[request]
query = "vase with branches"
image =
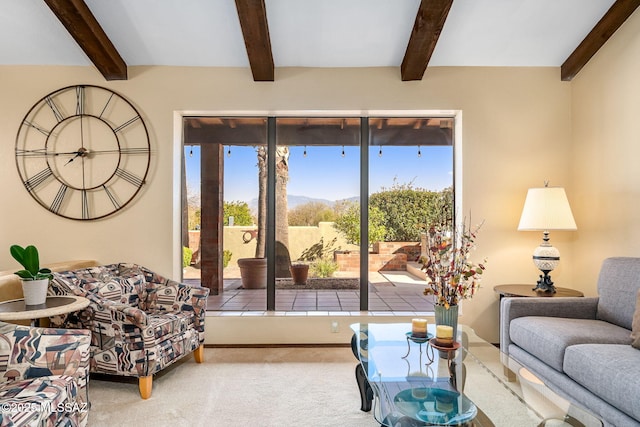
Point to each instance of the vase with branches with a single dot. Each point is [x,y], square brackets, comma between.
[451,275]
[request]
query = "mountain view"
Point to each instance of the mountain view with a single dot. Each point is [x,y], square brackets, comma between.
[294,201]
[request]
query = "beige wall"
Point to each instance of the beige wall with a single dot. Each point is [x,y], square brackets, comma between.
[605,171]
[516,132]
[300,239]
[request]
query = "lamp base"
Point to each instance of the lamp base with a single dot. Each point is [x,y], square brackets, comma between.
[545,284]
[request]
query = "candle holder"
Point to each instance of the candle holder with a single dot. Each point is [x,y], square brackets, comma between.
[416,339]
[443,342]
[450,349]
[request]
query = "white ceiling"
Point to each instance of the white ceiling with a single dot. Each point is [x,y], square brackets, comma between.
[306,33]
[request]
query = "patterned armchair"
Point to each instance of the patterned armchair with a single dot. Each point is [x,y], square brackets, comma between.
[43,376]
[140,321]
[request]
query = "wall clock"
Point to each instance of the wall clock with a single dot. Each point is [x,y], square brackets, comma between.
[83,152]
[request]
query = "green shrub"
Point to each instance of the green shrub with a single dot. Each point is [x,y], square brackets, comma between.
[186,256]
[226,257]
[348,223]
[239,211]
[406,209]
[310,214]
[323,268]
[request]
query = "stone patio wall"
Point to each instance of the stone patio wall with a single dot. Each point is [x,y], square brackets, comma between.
[385,256]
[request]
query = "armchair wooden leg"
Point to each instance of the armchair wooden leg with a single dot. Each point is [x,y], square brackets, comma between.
[198,354]
[145,385]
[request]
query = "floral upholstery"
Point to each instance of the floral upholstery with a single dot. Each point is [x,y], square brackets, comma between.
[141,322]
[43,376]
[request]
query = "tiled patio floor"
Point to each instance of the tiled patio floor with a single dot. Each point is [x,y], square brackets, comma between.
[388,292]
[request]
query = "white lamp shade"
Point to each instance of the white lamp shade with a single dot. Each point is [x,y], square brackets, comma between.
[546,209]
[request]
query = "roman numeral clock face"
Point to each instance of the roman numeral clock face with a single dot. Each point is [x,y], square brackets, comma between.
[83,152]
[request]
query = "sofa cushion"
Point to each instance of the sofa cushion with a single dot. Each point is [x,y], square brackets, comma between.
[547,337]
[611,372]
[618,283]
[635,327]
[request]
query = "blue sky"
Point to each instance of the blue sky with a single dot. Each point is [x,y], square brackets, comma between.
[325,174]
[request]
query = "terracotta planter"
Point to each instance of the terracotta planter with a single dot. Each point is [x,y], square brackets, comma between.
[253,272]
[299,273]
[35,291]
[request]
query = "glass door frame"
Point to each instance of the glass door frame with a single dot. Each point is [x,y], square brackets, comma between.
[271,116]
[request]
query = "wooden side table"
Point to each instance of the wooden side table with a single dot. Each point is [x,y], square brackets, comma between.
[55,305]
[527,291]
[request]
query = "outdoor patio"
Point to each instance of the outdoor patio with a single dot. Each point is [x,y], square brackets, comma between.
[389,293]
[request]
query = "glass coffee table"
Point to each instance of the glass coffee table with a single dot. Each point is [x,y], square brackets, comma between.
[408,382]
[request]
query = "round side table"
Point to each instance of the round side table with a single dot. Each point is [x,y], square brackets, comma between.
[17,310]
[527,291]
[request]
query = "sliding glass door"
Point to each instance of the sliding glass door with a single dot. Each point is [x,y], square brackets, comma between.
[317,176]
[410,185]
[225,183]
[318,222]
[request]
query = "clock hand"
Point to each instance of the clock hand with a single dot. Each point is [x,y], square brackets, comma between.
[133,150]
[72,159]
[38,153]
[82,152]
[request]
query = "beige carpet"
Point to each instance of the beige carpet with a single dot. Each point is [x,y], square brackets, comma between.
[240,387]
[263,387]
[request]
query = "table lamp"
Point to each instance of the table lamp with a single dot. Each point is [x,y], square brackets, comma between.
[546,209]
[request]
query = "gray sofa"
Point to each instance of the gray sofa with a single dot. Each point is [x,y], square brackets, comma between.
[581,347]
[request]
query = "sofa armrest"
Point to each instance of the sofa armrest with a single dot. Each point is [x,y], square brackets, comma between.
[572,307]
[162,293]
[173,296]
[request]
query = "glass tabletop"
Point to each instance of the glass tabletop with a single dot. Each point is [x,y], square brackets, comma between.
[414,384]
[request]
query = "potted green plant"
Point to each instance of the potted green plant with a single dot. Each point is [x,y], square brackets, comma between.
[35,280]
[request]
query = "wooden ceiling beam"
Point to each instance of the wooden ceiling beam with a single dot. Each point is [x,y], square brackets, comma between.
[255,30]
[609,24]
[430,20]
[77,18]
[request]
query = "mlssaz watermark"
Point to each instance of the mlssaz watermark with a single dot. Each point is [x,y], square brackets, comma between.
[48,407]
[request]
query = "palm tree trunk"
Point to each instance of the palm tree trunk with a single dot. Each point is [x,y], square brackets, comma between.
[262,202]
[283,259]
[282,209]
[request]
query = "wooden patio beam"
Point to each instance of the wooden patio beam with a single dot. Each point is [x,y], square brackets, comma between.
[255,30]
[77,18]
[609,24]
[430,20]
